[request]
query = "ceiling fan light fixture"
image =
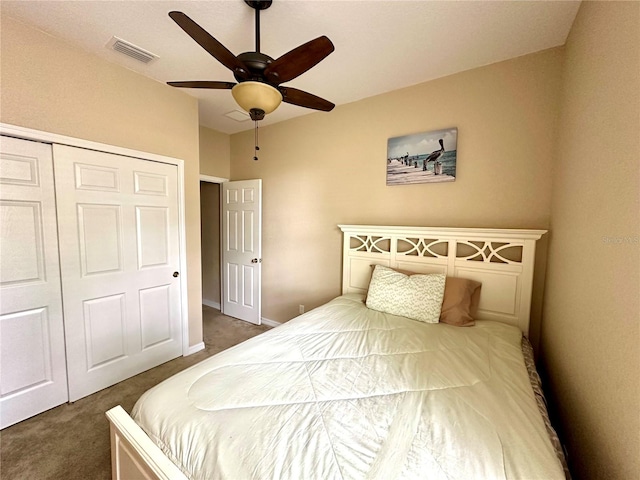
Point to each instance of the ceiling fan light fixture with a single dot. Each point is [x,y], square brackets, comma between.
[256,96]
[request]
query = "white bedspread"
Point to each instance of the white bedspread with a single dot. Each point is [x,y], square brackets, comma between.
[344,392]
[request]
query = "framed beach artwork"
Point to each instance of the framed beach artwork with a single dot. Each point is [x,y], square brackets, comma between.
[428,157]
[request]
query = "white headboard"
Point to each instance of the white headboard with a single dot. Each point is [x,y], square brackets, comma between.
[501,259]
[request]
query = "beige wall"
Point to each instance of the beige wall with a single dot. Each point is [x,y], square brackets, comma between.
[323,169]
[590,336]
[210,227]
[215,148]
[48,85]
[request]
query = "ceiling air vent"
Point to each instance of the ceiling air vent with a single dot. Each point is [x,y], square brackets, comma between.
[238,116]
[131,50]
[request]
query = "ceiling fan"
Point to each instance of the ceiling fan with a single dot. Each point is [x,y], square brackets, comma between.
[259,90]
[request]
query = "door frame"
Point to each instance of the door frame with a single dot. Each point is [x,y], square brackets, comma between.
[47,137]
[219,181]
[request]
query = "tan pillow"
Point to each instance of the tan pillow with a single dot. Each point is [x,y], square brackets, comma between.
[460,303]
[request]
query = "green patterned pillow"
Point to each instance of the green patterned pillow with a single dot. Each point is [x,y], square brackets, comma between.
[418,297]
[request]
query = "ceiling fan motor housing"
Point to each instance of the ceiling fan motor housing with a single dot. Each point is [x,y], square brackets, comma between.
[259,4]
[256,62]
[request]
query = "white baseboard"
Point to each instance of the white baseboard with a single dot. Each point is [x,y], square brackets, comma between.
[270,323]
[211,303]
[194,349]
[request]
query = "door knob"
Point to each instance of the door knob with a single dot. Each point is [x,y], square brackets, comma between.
[175,274]
[256,260]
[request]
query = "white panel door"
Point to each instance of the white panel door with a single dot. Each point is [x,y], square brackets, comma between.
[119,256]
[242,249]
[33,375]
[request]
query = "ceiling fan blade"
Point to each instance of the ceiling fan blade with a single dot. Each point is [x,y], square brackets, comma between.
[299,60]
[304,99]
[203,84]
[210,44]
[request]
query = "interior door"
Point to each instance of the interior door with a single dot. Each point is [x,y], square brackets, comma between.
[242,249]
[119,257]
[33,375]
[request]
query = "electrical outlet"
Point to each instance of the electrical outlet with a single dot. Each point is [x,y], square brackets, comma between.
[301,309]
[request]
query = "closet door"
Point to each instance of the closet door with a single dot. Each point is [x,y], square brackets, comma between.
[32,359]
[119,256]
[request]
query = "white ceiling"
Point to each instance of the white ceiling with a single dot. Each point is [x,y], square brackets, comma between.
[379,45]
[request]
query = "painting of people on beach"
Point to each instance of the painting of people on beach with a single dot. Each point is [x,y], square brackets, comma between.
[428,157]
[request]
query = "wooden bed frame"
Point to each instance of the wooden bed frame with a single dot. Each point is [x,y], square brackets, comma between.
[501,259]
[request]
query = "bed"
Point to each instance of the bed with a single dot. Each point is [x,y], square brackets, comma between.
[346,391]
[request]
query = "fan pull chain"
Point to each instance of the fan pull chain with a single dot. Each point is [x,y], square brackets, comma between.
[255,157]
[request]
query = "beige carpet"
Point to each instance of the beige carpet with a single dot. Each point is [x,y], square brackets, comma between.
[72,441]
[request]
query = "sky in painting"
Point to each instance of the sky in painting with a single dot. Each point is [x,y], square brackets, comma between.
[422,143]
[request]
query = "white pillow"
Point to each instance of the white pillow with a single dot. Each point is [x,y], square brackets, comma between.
[418,297]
